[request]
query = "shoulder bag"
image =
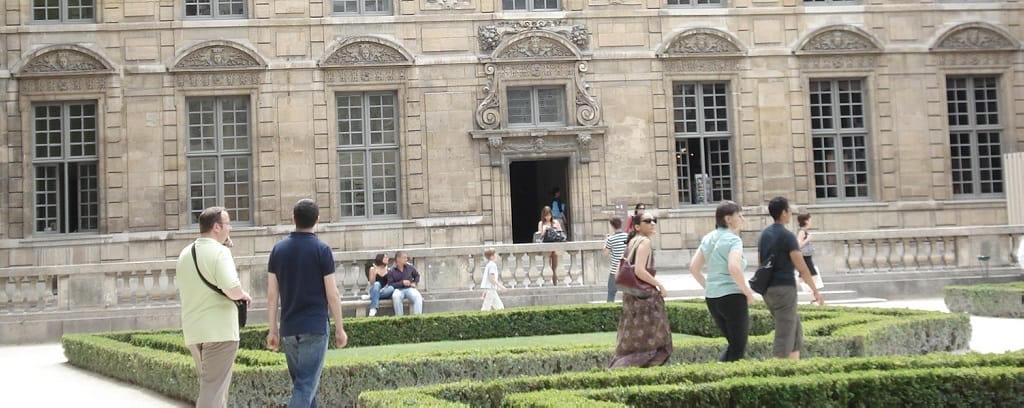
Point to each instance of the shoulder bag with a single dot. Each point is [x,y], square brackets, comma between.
[554,235]
[626,280]
[763,276]
[240,304]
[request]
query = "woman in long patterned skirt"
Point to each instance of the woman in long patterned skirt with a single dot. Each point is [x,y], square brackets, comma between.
[644,338]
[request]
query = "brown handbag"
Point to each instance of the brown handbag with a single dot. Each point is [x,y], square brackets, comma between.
[626,280]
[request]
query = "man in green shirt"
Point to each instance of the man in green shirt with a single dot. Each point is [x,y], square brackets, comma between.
[209,320]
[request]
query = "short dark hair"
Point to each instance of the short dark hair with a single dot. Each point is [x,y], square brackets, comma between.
[724,209]
[306,213]
[803,218]
[208,218]
[379,259]
[615,222]
[776,206]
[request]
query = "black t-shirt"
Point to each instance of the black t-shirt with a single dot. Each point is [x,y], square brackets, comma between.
[770,237]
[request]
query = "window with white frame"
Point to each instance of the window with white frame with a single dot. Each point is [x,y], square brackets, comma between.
[219,155]
[65,162]
[215,8]
[700,118]
[695,3]
[975,135]
[531,5]
[361,7]
[839,136]
[368,154]
[536,106]
[64,10]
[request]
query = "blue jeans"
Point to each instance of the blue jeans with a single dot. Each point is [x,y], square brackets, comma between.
[305,356]
[377,293]
[407,293]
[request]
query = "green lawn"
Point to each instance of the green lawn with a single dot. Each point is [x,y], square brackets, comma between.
[443,347]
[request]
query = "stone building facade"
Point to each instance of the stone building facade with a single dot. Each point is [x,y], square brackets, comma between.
[428,123]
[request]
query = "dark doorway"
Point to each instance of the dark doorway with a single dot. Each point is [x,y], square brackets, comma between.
[531,184]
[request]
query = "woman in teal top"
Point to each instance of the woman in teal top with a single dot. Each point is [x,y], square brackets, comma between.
[726,292]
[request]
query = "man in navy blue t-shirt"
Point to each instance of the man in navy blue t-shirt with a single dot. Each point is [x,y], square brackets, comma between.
[779,245]
[302,271]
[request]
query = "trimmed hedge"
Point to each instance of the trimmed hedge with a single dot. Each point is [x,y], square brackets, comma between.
[933,380]
[261,379]
[993,300]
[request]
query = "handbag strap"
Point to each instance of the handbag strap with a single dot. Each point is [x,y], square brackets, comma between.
[632,254]
[208,284]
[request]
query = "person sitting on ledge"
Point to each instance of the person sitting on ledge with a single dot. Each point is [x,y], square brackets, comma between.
[404,277]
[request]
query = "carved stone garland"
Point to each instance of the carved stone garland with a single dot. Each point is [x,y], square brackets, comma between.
[490,36]
[488,112]
[217,57]
[975,46]
[839,49]
[365,53]
[700,44]
[63,62]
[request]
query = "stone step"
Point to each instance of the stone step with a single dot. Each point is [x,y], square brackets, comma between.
[829,295]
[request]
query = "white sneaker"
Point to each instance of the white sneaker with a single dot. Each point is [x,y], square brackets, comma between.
[373,312]
[364,297]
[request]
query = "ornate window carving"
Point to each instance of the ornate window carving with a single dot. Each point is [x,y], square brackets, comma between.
[365,59]
[975,44]
[63,69]
[841,47]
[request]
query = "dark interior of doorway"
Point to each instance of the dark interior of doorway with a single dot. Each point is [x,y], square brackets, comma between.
[531,184]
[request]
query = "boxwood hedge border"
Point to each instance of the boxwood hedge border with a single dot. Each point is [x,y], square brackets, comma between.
[992,300]
[159,361]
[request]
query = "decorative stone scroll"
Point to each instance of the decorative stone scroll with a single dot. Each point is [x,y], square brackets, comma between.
[366,75]
[64,61]
[701,42]
[539,143]
[839,39]
[975,59]
[838,62]
[215,57]
[92,83]
[216,79]
[702,65]
[446,5]
[488,112]
[490,36]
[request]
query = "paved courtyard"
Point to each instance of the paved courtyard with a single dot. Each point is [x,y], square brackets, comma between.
[31,372]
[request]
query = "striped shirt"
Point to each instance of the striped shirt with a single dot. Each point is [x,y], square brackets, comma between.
[616,244]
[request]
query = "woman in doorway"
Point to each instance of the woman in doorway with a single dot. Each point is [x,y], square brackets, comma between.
[726,292]
[548,222]
[377,275]
[644,338]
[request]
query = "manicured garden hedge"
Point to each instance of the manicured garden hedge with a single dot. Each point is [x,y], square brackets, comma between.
[159,360]
[993,300]
[934,380]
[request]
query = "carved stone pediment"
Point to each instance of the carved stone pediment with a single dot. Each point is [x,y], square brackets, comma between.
[217,57]
[365,75]
[365,53]
[701,43]
[62,62]
[490,36]
[840,40]
[535,47]
[975,37]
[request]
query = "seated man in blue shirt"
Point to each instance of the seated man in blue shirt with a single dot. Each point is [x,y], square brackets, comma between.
[404,277]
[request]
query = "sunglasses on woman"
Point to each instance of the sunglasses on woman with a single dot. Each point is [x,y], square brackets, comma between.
[649,220]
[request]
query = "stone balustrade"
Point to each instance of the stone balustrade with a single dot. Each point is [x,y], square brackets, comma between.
[130,285]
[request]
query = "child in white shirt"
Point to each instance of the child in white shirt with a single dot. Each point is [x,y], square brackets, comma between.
[491,282]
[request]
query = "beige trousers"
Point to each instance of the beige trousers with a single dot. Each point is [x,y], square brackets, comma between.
[213,367]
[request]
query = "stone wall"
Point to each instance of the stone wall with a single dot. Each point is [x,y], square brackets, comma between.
[449,63]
